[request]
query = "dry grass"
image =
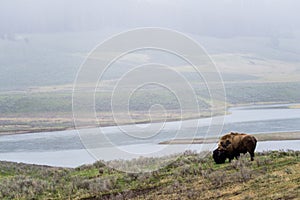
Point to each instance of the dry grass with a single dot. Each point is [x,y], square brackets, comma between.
[295,106]
[273,175]
[270,179]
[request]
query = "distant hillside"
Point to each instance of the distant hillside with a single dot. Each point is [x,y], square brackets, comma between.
[31,60]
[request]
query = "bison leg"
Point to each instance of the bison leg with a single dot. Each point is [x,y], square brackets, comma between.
[237,156]
[231,157]
[251,151]
[252,155]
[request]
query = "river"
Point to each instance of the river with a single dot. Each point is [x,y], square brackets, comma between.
[65,148]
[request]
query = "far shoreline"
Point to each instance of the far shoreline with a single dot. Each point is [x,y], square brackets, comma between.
[54,129]
[110,124]
[261,137]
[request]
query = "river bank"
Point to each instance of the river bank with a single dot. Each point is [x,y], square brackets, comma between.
[277,136]
[23,124]
[277,127]
[14,125]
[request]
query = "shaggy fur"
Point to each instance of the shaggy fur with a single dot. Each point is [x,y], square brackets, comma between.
[236,143]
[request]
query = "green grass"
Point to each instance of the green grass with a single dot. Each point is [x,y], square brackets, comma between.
[242,93]
[52,110]
[190,176]
[61,102]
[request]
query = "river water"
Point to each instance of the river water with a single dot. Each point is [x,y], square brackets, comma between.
[68,148]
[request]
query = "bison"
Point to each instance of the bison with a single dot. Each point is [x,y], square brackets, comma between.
[232,145]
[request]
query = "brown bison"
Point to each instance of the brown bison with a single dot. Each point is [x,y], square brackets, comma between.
[233,144]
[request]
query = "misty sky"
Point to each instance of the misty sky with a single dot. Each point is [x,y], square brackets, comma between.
[220,18]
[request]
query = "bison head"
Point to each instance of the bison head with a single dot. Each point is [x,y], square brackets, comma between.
[219,156]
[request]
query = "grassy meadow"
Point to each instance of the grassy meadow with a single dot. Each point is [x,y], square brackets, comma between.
[272,175]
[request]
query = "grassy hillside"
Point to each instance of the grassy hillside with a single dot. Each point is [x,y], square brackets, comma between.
[47,109]
[273,175]
[38,71]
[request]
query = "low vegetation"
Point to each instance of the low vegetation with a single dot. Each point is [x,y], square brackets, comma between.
[273,175]
[46,110]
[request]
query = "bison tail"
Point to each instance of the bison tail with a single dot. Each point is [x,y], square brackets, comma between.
[255,140]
